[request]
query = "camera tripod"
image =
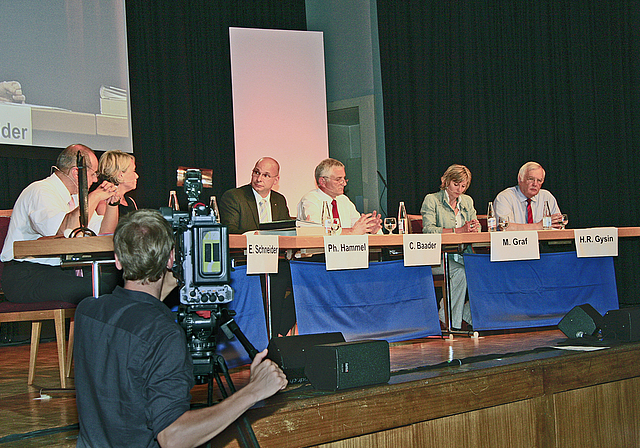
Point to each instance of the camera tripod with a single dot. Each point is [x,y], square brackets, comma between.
[209,365]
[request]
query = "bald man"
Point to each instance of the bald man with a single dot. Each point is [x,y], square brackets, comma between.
[239,207]
[242,209]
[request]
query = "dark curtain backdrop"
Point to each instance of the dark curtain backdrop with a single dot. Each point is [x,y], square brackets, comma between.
[492,85]
[180,82]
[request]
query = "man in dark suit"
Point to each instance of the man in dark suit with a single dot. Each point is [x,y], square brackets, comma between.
[242,209]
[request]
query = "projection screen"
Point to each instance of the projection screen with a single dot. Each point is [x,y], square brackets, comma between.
[64,74]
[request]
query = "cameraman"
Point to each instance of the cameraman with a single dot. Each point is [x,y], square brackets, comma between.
[132,367]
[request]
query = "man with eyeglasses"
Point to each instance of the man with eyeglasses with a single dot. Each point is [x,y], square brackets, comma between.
[50,207]
[242,210]
[524,203]
[331,180]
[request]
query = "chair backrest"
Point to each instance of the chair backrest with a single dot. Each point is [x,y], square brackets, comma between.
[5,217]
[415,223]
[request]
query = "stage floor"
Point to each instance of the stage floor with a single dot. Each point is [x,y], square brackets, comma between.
[423,371]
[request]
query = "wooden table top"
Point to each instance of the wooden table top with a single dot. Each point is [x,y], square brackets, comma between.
[96,244]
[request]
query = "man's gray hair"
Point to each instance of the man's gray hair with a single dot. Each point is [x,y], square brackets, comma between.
[524,170]
[323,167]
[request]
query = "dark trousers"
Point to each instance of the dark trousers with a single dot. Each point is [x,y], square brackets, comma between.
[283,310]
[27,282]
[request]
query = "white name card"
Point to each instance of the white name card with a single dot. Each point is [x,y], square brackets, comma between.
[421,249]
[597,242]
[346,252]
[262,254]
[516,245]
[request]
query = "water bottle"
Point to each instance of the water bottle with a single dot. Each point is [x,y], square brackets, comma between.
[546,216]
[403,223]
[327,219]
[492,225]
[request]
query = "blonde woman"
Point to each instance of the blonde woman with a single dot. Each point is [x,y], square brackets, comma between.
[447,211]
[119,168]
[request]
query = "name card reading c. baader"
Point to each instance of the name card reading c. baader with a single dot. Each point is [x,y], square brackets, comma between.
[598,242]
[421,249]
[516,245]
[346,252]
[262,254]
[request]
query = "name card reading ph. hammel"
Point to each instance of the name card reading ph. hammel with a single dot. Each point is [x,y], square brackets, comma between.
[517,245]
[346,252]
[421,249]
[262,254]
[598,242]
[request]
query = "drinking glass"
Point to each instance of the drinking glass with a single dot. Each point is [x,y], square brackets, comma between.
[335,225]
[503,222]
[390,224]
[565,220]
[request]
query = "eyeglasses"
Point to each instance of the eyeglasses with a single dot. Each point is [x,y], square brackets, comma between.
[257,173]
[533,180]
[337,179]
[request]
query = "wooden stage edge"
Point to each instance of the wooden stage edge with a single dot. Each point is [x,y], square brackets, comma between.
[543,397]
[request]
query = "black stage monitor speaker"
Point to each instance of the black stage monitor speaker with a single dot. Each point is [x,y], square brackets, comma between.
[290,352]
[623,325]
[348,364]
[581,321]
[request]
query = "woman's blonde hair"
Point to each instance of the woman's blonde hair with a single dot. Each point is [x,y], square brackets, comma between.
[456,173]
[113,163]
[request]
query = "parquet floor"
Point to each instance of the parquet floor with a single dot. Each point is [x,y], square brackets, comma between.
[27,421]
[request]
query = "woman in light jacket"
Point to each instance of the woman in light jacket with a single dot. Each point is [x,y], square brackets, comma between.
[452,211]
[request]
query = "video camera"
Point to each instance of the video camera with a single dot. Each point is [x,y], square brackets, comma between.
[202,268]
[202,248]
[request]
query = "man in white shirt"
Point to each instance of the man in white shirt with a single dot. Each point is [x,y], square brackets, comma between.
[331,180]
[524,203]
[49,207]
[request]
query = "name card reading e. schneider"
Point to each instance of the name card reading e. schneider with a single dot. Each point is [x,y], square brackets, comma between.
[346,252]
[596,242]
[262,254]
[421,249]
[517,245]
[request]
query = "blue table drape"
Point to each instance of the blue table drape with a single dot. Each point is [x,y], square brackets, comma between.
[537,293]
[249,307]
[386,301]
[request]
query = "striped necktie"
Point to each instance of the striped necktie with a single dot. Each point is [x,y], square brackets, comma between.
[529,212]
[264,217]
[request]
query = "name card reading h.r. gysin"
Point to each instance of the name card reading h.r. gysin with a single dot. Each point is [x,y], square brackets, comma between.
[421,249]
[262,254]
[516,245]
[346,252]
[598,242]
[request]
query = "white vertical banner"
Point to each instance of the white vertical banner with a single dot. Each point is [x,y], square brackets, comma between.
[279,105]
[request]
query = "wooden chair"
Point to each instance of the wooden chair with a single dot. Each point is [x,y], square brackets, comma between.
[36,313]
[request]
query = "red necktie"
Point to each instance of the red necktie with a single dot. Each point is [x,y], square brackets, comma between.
[334,209]
[529,212]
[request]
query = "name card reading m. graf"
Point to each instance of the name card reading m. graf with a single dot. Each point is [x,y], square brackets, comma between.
[346,252]
[262,254]
[598,242]
[421,249]
[516,245]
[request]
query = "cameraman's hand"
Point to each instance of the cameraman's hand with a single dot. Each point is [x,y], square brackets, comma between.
[266,377]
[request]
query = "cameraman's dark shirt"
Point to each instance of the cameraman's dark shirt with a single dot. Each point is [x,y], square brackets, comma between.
[133,372]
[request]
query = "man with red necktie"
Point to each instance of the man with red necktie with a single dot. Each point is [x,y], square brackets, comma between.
[524,203]
[331,180]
